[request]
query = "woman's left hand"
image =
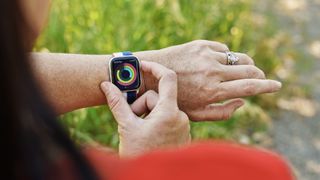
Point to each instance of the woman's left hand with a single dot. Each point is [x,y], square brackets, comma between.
[204,78]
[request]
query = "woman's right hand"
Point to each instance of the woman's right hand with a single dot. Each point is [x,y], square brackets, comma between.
[165,125]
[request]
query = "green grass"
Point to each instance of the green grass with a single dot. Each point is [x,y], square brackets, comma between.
[106,26]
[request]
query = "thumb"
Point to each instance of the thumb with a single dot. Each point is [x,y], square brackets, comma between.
[117,103]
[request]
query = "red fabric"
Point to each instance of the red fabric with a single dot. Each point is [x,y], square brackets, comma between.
[199,161]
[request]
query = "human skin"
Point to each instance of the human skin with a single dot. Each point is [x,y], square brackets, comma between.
[36,13]
[71,81]
[197,79]
[164,125]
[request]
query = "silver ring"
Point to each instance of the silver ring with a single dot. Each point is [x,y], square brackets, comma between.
[232,58]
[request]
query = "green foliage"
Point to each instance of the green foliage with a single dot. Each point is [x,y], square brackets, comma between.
[105,26]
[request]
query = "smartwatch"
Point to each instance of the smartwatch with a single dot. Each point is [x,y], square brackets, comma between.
[125,73]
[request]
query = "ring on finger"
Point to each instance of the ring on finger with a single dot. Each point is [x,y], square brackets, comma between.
[232,59]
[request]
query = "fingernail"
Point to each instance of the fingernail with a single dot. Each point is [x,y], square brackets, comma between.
[279,85]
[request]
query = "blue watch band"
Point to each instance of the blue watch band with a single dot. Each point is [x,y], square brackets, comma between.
[122,54]
[130,95]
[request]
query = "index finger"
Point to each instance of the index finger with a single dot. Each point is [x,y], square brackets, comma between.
[167,80]
[245,88]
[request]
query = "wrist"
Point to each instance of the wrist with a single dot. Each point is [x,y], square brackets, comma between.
[149,82]
[151,55]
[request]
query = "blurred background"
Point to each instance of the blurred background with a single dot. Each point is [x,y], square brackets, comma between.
[282,36]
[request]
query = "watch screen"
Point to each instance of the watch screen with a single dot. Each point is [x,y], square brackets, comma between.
[126,73]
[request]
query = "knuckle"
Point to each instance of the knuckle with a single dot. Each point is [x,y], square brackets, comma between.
[175,112]
[151,93]
[223,47]
[206,43]
[206,89]
[247,58]
[113,102]
[249,88]
[220,70]
[207,71]
[210,91]
[171,75]
[214,70]
[218,94]
[262,74]
[252,72]
[200,42]
[251,62]
[201,48]
[173,115]
[183,120]
[184,117]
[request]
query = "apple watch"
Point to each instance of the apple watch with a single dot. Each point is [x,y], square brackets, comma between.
[125,73]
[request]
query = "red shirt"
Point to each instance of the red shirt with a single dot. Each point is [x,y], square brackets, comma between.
[198,161]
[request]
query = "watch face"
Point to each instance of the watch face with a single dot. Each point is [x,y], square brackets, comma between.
[125,72]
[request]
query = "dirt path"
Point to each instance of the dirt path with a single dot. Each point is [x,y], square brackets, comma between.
[297,137]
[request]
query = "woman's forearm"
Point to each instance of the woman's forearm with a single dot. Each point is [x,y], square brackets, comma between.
[71,81]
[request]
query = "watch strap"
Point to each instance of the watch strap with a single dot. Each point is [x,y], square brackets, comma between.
[121,54]
[131,96]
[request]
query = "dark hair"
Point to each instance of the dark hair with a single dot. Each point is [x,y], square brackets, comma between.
[32,137]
